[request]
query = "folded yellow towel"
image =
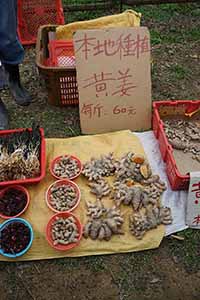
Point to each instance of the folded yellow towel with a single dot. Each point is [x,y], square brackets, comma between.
[129,18]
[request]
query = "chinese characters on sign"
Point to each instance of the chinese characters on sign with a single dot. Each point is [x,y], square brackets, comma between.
[120,47]
[90,110]
[101,81]
[113,75]
[193,203]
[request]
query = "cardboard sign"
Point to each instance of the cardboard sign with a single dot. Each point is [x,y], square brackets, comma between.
[114,80]
[193,201]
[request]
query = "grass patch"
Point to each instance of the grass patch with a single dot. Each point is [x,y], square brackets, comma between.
[84,15]
[155,14]
[187,251]
[69,263]
[156,37]
[56,121]
[129,269]
[164,12]
[178,72]
[173,36]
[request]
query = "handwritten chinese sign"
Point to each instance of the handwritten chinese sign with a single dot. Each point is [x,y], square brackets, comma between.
[114,81]
[193,201]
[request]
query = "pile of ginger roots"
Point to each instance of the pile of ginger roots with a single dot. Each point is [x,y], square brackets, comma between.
[133,185]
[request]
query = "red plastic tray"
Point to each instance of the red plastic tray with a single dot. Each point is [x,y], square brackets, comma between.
[34,13]
[42,160]
[176,179]
[61,53]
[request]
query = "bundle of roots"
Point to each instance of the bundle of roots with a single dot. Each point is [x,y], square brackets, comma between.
[20,155]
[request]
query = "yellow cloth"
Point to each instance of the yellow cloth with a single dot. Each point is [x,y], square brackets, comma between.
[129,18]
[38,213]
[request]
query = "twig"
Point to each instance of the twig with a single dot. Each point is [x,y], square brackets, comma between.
[72,131]
[118,284]
[26,287]
[8,270]
[37,269]
[180,238]
[16,294]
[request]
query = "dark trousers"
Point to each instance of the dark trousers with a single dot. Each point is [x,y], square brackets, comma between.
[11,50]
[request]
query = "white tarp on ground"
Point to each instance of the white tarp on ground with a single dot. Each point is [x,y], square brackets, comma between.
[176,200]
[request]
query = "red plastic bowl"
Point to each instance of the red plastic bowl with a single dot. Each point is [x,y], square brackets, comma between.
[57,159]
[49,227]
[61,182]
[20,188]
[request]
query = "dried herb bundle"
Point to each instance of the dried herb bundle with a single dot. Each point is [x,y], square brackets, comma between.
[20,154]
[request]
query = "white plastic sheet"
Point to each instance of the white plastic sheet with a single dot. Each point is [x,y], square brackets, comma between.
[176,200]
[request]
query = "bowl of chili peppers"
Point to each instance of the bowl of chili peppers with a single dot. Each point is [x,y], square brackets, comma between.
[14,201]
[16,237]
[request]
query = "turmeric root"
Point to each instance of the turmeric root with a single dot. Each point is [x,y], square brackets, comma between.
[141,222]
[96,169]
[109,222]
[100,188]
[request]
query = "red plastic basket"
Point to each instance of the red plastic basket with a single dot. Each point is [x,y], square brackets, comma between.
[34,13]
[176,179]
[42,160]
[61,53]
[60,82]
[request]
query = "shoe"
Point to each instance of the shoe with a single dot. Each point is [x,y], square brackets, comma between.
[19,93]
[3,116]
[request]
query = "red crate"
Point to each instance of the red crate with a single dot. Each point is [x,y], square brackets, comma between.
[60,82]
[176,179]
[61,53]
[34,13]
[42,160]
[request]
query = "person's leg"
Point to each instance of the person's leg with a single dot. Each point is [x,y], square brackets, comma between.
[3,116]
[11,51]
[3,81]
